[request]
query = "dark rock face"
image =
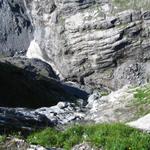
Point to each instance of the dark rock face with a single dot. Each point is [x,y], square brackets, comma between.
[15,28]
[32,65]
[28,119]
[32,83]
[24,88]
[22,119]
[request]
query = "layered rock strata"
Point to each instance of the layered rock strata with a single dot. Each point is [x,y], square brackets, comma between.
[92,41]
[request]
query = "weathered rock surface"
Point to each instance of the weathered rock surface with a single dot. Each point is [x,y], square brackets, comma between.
[30,119]
[112,108]
[92,41]
[98,43]
[15,28]
[32,65]
[83,146]
[18,144]
[142,123]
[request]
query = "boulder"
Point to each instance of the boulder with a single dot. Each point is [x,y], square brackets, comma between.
[18,144]
[114,107]
[142,123]
[30,84]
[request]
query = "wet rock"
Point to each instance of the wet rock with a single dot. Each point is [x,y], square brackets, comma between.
[31,119]
[22,119]
[62,113]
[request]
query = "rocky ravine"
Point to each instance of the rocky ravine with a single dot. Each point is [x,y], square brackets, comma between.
[92,42]
[100,44]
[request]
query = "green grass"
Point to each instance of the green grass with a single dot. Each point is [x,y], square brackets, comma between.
[142,95]
[2,138]
[106,136]
[132,4]
[141,100]
[104,93]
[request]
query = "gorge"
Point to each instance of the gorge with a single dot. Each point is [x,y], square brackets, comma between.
[73,61]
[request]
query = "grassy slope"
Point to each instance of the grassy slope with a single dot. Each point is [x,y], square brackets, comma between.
[106,136]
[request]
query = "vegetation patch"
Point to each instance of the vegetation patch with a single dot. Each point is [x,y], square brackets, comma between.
[132,4]
[141,101]
[2,138]
[105,136]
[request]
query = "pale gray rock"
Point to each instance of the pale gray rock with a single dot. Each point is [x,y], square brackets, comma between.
[111,108]
[142,123]
[83,146]
[63,113]
[92,98]
[87,41]
[15,28]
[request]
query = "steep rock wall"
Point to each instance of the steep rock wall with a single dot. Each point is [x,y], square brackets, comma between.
[15,28]
[93,42]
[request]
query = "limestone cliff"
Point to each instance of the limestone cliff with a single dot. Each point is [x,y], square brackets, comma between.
[93,42]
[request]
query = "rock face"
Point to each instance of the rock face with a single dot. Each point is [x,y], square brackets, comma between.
[15,28]
[28,119]
[18,144]
[112,108]
[23,84]
[93,41]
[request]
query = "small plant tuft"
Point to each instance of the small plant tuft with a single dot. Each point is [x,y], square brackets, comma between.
[2,138]
[141,101]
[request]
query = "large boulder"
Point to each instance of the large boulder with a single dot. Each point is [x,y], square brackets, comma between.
[142,123]
[33,83]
